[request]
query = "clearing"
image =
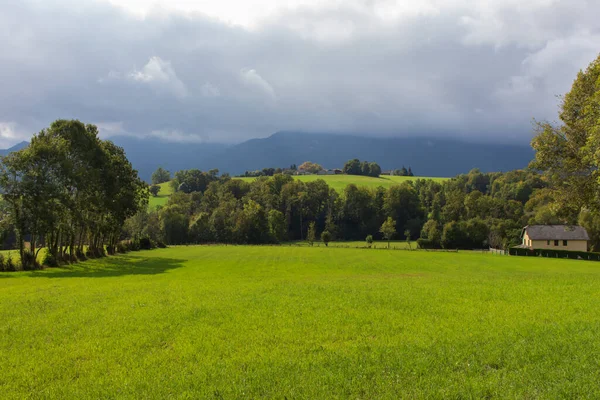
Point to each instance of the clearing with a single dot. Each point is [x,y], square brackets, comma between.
[299,322]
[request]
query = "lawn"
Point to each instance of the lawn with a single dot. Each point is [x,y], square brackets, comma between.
[299,322]
[163,195]
[339,182]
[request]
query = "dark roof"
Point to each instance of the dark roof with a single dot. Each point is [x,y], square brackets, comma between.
[556,232]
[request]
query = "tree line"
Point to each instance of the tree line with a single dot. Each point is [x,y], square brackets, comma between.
[473,210]
[69,192]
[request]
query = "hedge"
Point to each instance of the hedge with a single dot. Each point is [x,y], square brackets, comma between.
[574,255]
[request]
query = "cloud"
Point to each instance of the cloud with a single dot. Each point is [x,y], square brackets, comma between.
[9,135]
[253,80]
[466,68]
[160,74]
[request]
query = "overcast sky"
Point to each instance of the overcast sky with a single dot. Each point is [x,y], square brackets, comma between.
[230,70]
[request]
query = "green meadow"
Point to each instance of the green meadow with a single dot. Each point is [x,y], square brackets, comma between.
[339,182]
[163,195]
[302,323]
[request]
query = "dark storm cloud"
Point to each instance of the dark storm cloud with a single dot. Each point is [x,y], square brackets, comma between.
[480,72]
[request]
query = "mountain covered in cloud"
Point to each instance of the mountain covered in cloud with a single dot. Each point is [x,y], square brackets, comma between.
[426,156]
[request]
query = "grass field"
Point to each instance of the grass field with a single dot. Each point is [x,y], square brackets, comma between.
[298,322]
[339,182]
[163,196]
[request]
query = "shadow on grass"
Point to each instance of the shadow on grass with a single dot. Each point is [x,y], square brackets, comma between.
[108,267]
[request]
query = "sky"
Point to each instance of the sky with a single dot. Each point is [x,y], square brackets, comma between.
[231,70]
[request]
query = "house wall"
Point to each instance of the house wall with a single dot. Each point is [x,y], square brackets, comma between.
[572,245]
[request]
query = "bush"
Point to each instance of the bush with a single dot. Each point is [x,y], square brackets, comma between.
[122,247]
[146,243]
[79,254]
[10,265]
[2,263]
[49,260]
[550,253]
[369,240]
[426,243]
[326,237]
[29,262]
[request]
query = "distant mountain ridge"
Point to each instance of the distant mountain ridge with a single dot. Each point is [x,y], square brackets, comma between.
[426,156]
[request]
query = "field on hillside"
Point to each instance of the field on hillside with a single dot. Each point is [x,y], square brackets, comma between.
[339,182]
[298,322]
[163,195]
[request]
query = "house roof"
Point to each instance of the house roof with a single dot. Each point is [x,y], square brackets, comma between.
[556,232]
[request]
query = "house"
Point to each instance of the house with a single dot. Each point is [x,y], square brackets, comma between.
[326,172]
[557,237]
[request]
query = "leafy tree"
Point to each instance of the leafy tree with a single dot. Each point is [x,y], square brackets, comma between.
[312,233]
[369,240]
[154,189]
[353,167]
[403,171]
[326,238]
[277,225]
[407,235]
[310,167]
[569,154]
[160,176]
[409,172]
[374,169]
[388,229]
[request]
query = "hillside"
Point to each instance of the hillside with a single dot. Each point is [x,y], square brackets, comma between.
[337,182]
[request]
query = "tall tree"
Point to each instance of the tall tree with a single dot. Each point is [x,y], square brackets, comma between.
[388,229]
[569,154]
[161,175]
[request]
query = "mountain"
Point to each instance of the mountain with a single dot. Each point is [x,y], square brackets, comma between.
[16,147]
[426,156]
[146,155]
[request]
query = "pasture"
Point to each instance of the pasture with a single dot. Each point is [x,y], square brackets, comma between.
[298,322]
[163,195]
[339,182]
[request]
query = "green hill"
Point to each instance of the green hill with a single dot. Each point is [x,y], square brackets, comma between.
[163,195]
[337,182]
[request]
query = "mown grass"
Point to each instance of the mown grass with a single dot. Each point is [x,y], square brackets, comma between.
[339,182]
[163,196]
[298,322]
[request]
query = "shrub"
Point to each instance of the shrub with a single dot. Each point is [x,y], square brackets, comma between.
[122,247]
[369,240]
[425,243]
[146,243]
[29,261]
[326,237]
[10,264]
[80,254]
[49,260]
[2,263]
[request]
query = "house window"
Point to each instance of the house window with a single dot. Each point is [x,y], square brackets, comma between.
[547,242]
[556,242]
[564,242]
